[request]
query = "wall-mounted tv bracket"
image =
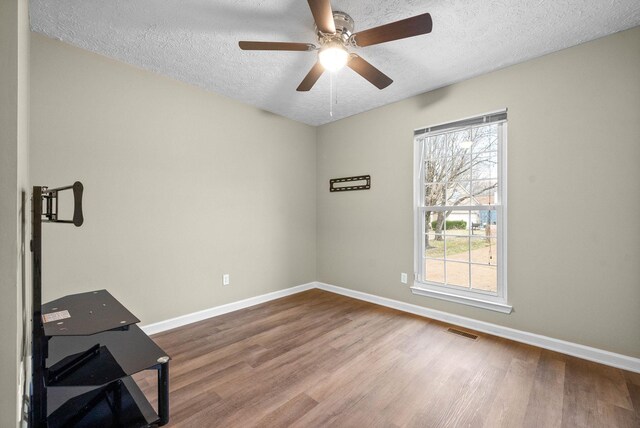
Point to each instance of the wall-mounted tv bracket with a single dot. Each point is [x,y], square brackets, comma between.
[345,184]
[44,209]
[50,204]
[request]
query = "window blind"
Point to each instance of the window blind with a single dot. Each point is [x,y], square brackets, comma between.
[478,120]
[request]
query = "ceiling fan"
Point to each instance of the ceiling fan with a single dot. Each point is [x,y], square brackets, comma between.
[335,35]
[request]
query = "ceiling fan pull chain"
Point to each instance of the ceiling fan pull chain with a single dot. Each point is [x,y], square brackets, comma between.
[331,94]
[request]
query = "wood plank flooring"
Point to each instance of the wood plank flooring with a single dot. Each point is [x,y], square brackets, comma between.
[317,359]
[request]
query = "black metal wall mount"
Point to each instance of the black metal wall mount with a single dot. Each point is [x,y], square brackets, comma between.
[346,184]
[50,204]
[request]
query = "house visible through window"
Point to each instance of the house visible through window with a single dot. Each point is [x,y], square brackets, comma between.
[460,211]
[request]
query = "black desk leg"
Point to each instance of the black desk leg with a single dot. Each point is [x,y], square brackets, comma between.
[163,393]
[117,402]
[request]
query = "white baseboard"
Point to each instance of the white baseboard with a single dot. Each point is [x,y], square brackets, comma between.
[564,347]
[161,326]
[581,351]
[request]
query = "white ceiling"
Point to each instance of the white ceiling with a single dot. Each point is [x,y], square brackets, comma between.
[196,41]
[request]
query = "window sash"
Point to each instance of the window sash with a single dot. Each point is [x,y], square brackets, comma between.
[500,296]
[422,257]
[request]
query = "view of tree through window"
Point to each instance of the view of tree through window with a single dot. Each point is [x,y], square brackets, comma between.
[460,173]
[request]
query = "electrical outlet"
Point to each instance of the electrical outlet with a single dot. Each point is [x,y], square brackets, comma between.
[403,278]
[225,279]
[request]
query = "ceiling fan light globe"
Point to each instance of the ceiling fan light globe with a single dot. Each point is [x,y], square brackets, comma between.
[333,58]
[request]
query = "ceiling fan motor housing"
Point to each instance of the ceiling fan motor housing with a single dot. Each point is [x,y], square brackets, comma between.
[344,29]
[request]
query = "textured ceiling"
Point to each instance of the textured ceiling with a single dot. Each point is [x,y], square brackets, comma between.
[196,41]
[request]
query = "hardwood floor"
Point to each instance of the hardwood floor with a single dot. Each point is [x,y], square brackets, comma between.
[317,359]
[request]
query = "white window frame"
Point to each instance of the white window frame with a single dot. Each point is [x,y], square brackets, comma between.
[483,299]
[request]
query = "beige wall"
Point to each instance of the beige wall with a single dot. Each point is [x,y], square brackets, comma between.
[14,130]
[181,186]
[574,147]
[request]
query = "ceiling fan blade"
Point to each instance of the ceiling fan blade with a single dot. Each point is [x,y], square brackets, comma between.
[311,78]
[323,15]
[275,46]
[369,72]
[409,27]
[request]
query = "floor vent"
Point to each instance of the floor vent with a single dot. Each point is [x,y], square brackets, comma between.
[462,333]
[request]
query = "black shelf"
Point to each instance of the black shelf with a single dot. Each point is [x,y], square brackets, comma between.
[94,367]
[119,354]
[88,377]
[89,313]
[118,404]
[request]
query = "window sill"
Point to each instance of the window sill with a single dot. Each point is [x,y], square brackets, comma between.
[456,298]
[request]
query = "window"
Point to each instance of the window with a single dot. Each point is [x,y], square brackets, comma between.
[460,211]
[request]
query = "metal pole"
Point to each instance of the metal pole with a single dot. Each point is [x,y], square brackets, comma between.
[163,392]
